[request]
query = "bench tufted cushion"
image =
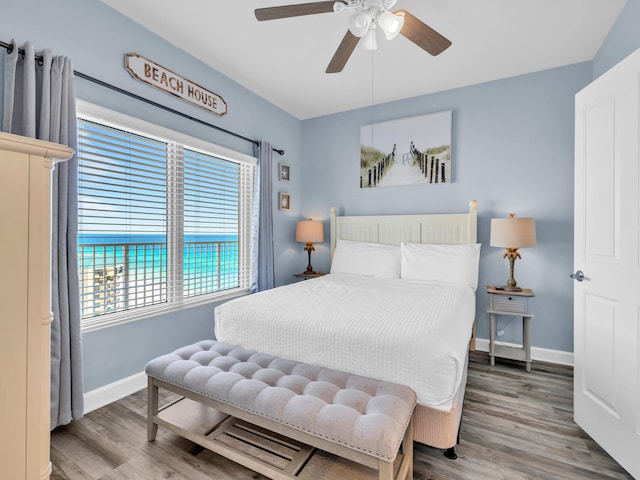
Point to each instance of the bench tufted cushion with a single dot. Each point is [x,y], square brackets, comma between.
[361,413]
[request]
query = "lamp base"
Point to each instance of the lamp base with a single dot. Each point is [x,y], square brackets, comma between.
[309,248]
[511,285]
[509,288]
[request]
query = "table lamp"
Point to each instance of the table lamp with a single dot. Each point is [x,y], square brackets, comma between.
[512,233]
[309,231]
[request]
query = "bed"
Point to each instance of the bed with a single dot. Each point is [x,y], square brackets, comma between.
[398,305]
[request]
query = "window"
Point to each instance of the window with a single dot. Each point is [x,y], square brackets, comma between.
[164,219]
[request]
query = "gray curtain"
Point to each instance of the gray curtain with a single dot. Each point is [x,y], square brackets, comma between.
[262,272]
[39,102]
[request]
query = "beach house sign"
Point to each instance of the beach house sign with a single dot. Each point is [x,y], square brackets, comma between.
[151,73]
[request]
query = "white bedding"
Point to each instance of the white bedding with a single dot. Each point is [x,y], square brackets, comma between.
[410,333]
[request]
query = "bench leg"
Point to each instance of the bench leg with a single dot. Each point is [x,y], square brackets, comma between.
[152,409]
[405,471]
[385,470]
[407,449]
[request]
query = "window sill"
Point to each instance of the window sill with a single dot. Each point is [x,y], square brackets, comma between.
[120,318]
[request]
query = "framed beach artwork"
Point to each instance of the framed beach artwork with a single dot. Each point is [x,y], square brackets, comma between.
[408,151]
[284,202]
[284,174]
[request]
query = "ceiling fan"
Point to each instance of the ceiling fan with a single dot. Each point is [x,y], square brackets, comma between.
[366,16]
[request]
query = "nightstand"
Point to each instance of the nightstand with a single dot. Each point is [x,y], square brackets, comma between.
[502,302]
[306,276]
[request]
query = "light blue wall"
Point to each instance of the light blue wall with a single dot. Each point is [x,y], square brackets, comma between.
[96,38]
[512,148]
[512,151]
[622,40]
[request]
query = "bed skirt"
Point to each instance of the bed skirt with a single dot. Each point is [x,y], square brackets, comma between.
[439,428]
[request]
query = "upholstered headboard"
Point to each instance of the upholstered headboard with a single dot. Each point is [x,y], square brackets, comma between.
[454,228]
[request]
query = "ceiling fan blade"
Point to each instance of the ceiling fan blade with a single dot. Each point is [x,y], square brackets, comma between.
[344,51]
[422,34]
[286,11]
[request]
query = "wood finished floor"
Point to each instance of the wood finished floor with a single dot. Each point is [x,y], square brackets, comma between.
[516,425]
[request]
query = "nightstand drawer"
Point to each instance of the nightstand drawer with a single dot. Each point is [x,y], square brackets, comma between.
[509,303]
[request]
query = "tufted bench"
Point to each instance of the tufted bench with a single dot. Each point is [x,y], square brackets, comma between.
[271,414]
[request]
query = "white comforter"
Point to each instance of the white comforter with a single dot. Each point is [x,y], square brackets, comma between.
[414,334]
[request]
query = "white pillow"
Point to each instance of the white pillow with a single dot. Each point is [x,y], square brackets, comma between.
[370,259]
[441,263]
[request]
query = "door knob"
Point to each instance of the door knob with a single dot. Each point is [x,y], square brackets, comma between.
[579,276]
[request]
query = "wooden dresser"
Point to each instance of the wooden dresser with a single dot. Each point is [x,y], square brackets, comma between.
[25,304]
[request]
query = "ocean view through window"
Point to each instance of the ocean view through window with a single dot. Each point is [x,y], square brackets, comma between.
[163,219]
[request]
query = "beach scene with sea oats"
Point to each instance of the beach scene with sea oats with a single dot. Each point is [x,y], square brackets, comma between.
[408,151]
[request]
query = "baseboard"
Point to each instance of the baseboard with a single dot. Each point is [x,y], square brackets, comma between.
[541,354]
[107,394]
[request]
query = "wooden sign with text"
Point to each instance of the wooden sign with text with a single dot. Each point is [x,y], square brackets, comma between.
[164,79]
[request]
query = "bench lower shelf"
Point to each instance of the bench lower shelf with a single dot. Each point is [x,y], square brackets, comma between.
[271,454]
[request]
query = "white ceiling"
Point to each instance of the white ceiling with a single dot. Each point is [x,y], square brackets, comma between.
[284,60]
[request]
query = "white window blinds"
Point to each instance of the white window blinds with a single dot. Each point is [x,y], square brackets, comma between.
[160,223]
[211,216]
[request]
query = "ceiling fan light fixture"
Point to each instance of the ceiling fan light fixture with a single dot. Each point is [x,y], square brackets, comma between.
[369,42]
[365,15]
[390,24]
[359,23]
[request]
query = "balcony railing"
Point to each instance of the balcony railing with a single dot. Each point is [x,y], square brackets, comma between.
[118,277]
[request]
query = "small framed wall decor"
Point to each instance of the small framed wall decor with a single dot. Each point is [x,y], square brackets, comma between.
[285,201]
[284,172]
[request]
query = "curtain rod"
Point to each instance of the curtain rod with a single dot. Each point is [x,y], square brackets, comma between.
[9,49]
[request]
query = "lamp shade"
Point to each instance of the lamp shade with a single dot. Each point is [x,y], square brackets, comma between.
[359,23]
[309,231]
[369,41]
[390,24]
[513,232]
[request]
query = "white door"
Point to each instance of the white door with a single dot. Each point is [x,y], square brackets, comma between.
[607,302]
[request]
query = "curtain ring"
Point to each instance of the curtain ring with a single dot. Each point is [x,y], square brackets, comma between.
[40,61]
[9,48]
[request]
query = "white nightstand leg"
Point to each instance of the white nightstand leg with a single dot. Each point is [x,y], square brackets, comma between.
[492,334]
[527,341]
